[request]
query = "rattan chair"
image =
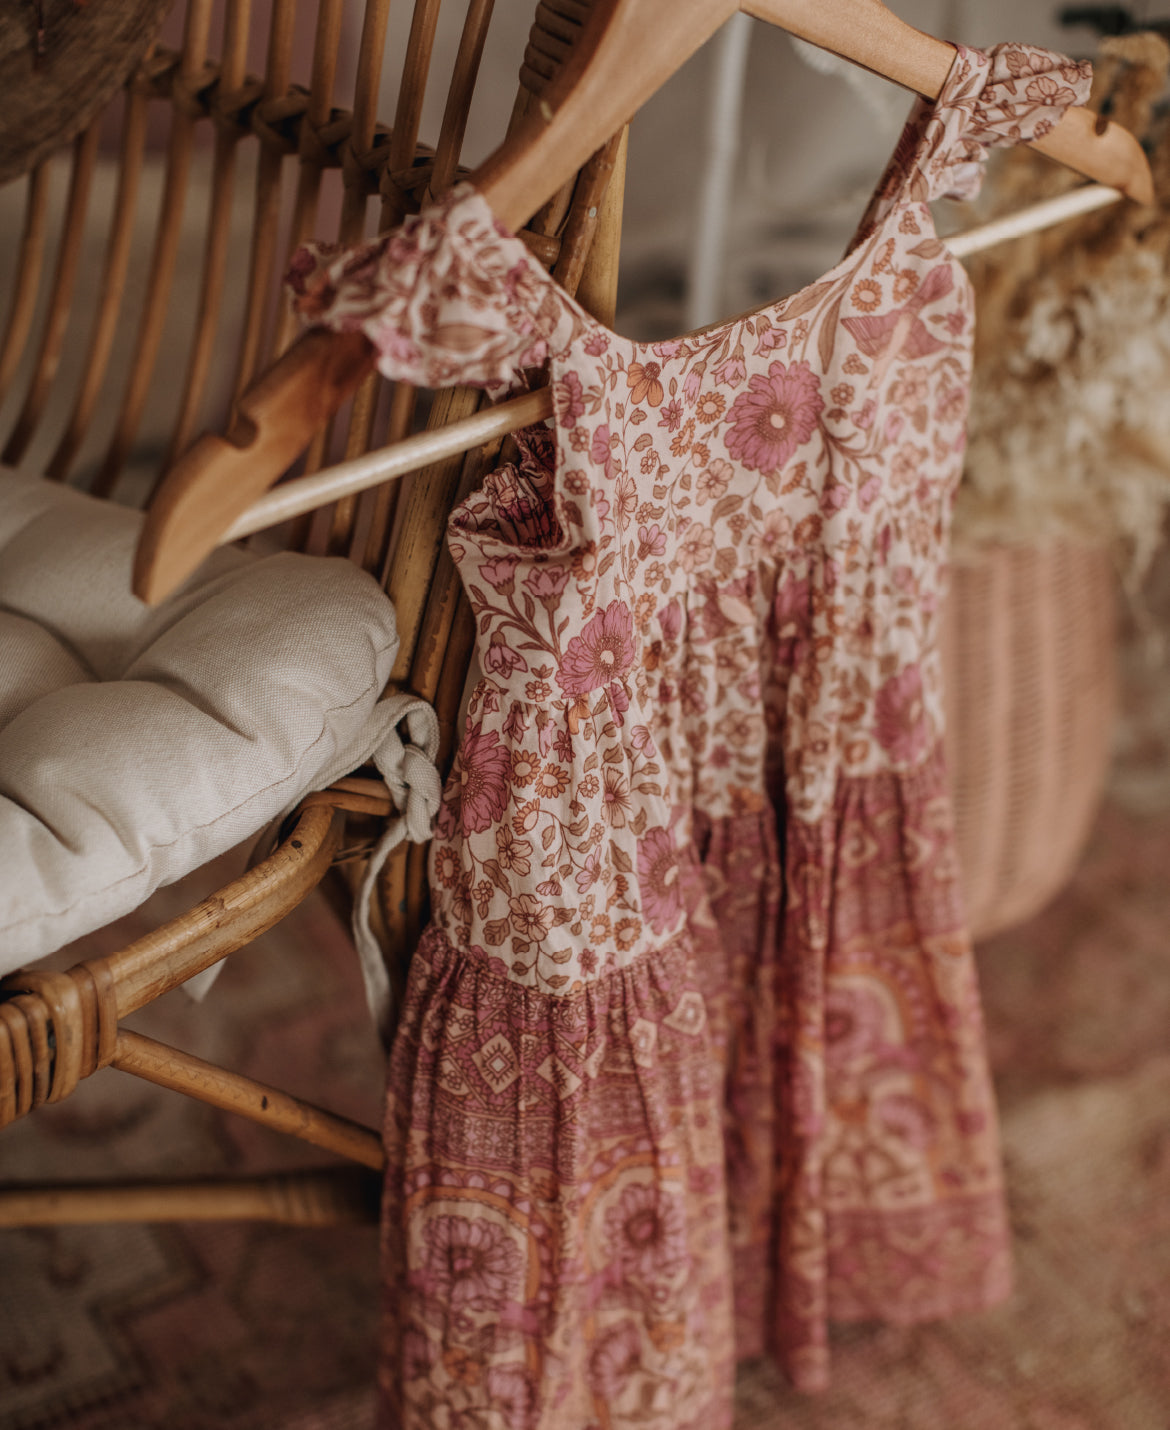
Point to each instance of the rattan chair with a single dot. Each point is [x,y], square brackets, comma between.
[229,110]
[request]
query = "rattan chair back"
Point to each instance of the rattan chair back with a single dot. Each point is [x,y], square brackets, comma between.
[106,382]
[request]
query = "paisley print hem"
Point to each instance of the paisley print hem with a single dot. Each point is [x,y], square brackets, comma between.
[853,1069]
[553,1221]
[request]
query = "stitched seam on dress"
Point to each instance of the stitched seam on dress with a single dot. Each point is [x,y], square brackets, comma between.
[681,942]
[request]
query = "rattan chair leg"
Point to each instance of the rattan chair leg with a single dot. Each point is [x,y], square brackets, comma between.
[329,1196]
[230,919]
[232,1092]
[81,1008]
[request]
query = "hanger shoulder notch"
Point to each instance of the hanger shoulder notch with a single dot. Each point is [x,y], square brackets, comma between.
[219,477]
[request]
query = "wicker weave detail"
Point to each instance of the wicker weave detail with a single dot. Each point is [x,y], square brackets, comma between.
[1030,674]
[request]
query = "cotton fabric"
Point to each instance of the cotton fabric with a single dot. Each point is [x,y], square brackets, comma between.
[691,1060]
[136,744]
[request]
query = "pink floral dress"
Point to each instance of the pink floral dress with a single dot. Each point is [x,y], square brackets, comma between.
[691,1060]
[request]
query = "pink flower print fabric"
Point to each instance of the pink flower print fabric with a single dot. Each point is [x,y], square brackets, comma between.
[439,298]
[776,415]
[691,1059]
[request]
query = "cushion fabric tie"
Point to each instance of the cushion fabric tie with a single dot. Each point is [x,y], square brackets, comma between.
[408,767]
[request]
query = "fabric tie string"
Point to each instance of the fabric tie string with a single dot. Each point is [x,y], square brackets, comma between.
[408,767]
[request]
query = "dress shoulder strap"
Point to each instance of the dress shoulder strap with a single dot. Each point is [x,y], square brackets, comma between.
[1010,94]
[447,297]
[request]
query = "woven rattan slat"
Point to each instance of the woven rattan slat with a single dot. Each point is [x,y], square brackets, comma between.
[113,286]
[398,424]
[426,498]
[455,116]
[189,81]
[266,204]
[408,113]
[157,296]
[26,281]
[55,322]
[312,155]
[232,71]
[359,160]
[357,167]
[403,144]
[598,287]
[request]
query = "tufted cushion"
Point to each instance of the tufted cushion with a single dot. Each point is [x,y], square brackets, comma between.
[137,743]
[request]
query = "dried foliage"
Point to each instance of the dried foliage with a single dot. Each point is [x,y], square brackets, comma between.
[1069,433]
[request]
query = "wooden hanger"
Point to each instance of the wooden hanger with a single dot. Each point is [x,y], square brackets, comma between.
[610,56]
[399,459]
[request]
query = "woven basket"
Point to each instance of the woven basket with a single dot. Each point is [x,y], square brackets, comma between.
[1029,661]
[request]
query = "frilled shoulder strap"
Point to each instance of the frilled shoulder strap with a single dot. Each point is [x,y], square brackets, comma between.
[448,297]
[1010,94]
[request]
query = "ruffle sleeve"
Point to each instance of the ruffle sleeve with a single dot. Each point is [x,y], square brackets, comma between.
[1009,94]
[450,297]
[1026,93]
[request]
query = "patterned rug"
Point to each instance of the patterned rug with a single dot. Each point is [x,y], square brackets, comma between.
[256,1327]
[239,1326]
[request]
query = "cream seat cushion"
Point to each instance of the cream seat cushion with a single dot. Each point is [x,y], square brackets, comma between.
[138,743]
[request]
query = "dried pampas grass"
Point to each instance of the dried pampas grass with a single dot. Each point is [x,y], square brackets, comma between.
[1069,435]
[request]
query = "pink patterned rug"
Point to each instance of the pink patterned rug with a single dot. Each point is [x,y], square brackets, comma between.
[253,1327]
[188,1327]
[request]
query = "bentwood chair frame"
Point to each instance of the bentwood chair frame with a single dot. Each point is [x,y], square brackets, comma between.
[59,1027]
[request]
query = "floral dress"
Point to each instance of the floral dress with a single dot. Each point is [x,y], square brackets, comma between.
[691,1059]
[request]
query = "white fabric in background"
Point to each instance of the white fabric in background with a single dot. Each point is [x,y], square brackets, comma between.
[137,744]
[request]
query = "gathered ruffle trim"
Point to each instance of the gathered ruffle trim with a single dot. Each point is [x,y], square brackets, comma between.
[447,297]
[1009,94]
